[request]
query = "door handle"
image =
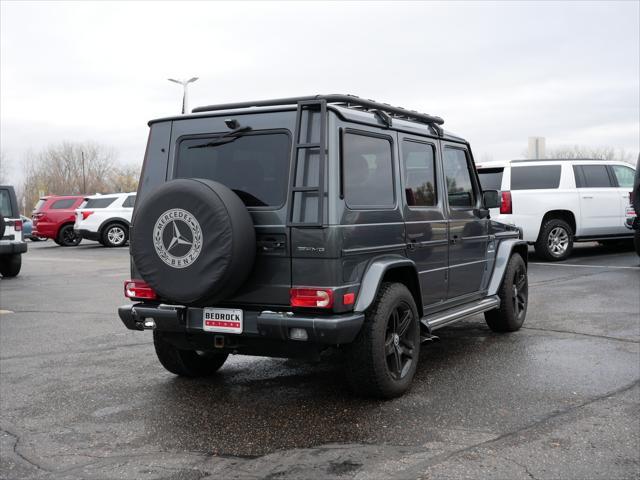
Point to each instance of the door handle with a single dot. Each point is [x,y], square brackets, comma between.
[587,196]
[454,239]
[266,245]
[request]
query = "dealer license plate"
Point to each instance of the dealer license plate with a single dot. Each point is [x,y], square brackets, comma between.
[222,320]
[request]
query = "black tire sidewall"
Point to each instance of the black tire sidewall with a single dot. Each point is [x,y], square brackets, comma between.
[542,245]
[61,241]
[504,319]
[105,235]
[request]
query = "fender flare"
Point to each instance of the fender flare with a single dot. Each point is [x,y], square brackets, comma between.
[503,254]
[372,279]
[113,220]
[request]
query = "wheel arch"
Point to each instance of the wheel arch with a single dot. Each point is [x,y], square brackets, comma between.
[506,249]
[61,226]
[393,268]
[566,215]
[112,220]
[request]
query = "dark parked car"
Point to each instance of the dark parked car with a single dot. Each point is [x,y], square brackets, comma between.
[54,216]
[12,245]
[287,227]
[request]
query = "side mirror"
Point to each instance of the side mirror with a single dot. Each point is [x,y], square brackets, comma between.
[491,199]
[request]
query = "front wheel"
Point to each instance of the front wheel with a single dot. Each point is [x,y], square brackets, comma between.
[67,237]
[514,297]
[382,360]
[187,363]
[10,265]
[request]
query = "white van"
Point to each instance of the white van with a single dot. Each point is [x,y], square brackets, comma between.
[558,202]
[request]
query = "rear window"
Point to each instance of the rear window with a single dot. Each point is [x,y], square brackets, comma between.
[99,202]
[491,178]
[535,178]
[39,204]
[592,176]
[5,204]
[254,166]
[62,204]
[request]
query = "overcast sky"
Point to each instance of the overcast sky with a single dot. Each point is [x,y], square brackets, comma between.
[496,72]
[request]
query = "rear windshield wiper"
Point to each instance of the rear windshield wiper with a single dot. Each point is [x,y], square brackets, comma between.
[224,138]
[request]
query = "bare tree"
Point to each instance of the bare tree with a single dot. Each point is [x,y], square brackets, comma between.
[74,168]
[596,153]
[4,168]
[125,178]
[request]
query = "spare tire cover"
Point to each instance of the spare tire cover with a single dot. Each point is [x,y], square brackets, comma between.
[193,241]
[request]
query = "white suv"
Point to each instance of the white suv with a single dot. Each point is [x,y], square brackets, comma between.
[558,202]
[105,218]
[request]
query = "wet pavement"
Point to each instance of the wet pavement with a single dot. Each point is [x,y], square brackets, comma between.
[82,397]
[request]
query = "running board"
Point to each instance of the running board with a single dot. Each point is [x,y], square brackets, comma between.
[440,319]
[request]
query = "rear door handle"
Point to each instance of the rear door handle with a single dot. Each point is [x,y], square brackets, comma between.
[266,245]
[587,196]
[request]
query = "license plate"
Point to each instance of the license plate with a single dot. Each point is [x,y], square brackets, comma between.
[222,320]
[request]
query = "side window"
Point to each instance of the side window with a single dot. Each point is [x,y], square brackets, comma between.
[459,185]
[368,171]
[99,202]
[129,202]
[624,175]
[5,204]
[62,204]
[536,177]
[419,168]
[592,176]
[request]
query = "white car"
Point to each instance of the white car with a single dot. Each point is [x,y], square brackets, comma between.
[558,202]
[105,218]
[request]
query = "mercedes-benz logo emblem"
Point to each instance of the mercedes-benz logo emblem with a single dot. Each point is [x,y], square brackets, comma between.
[177,238]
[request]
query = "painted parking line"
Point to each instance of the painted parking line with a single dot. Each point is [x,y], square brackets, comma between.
[581,266]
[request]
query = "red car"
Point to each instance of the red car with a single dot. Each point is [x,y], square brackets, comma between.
[54,216]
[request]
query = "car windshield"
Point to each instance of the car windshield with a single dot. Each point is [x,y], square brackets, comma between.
[255,166]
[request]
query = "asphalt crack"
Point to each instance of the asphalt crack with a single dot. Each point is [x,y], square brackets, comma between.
[17,453]
[604,337]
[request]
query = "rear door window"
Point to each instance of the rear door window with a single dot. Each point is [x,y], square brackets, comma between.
[459,185]
[535,177]
[99,202]
[368,171]
[592,176]
[63,204]
[255,166]
[491,178]
[419,167]
[39,205]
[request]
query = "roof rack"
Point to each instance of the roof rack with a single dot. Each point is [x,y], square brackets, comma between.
[349,101]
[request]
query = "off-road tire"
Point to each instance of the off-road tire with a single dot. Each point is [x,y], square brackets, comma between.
[66,239]
[509,318]
[10,265]
[187,363]
[542,245]
[367,369]
[108,235]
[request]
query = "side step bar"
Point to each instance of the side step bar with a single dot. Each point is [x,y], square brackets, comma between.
[440,319]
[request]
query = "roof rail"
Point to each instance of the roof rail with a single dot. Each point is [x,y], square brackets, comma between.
[349,101]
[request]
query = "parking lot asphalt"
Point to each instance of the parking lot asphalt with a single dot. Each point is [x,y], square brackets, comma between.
[82,397]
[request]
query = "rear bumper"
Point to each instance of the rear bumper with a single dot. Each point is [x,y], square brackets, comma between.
[10,248]
[328,330]
[87,234]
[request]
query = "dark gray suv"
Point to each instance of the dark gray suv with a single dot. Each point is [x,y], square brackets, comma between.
[287,227]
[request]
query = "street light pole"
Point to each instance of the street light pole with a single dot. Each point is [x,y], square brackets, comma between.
[185,95]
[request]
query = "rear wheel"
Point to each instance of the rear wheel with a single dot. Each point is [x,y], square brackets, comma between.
[187,363]
[382,361]
[10,265]
[555,241]
[114,235]
[514,297]
[67,237]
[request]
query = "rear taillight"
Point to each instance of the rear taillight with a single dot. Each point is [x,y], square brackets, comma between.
[17,225]
[505,203]
[311,297]
[85,215]
[139,290]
